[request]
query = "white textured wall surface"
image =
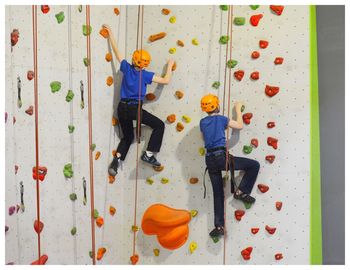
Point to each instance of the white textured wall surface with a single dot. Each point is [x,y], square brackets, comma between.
[198,67]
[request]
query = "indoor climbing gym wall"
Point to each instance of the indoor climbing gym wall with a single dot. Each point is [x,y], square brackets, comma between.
[70,211]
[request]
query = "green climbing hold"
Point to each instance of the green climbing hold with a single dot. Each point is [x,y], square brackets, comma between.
[90,254]
[239,20]
[247,149]
[73,231]
[86,31]
[80,8]
[68,170]
[224,39]
[71,128]
[73,196]
[60,17]
[69,96]
[55,86]
[224,7]
[242,108]
[231,63]
[247,205]
[216,85]
[86,61]
[96,214]
[93,147]
[254,7]
[215,239]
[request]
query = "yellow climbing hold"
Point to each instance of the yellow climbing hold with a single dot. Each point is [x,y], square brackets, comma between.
[149,181]
[172,19]
[194,213]
[172,50]
[156,252]
[195,42]
[134,228]
[193,247]
[164,180]
[201,151]
[186,118]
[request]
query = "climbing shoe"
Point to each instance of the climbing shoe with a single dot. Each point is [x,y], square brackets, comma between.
[113,168]
[217,231]
[244,197]
[150,160]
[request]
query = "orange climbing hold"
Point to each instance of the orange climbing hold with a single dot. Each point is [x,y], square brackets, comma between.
[109,80]
[97,155]
[116,11]
[150,96]
[112,210]
[169,224]
[114,121]
[171,118]
[158,169]
[134,259]
[111,179]
[155,37]
[99,222]
[108,57]
[166,11]
[179,94]
[41,261]
[194,180]
[179,127]
[100,253]
[173,68]
[104,33]
[180,43]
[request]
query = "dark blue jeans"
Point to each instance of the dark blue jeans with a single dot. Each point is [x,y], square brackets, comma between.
[216,163]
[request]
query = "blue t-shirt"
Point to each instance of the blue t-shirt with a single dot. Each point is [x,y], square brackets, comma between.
[131,78]
[213,129]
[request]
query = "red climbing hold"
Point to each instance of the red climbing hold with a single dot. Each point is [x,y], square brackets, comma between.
[239,214]
[42,173]
[38,226]
[279,205]
[271,90]
[270,124]
[254,20]
[247,117]
[45,9]
[42,260]
[254,142]
[14,37]
[263,188]
[14,120]
[239,74]
[246,253]
[29,111]
[30,75]
[270,158]
[278,61]
[269,229]
[277,9]
[272,142]
[255,55]
[255,75]
[254,230]
[134,259]
[278,256]
[16,169]
[263,44]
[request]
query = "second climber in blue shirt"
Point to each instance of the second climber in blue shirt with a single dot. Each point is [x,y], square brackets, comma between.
[129,104]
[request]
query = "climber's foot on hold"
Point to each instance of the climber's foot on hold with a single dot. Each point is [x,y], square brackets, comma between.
[244,197]
[217,232]
[150,159]
[113,167]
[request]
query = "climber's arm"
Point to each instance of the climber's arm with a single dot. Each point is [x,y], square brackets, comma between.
[237,124]
[111,39]
[166,79]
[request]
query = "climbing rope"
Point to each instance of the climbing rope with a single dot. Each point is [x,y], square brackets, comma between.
[36,108]
[92,200]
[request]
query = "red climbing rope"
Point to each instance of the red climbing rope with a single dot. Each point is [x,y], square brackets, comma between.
[36,108]
[92,200]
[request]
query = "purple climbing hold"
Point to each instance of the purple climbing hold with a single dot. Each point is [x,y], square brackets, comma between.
[12,210]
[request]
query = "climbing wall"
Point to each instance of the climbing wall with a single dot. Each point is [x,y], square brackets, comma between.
[66,236]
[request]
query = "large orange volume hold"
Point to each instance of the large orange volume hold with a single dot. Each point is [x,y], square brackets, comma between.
[169,224]
[156,36]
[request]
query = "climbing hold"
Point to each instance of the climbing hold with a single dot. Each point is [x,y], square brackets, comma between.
[6,115]
[30,75]
[99,222]
[149,181]
[38,226]
[111,179]
[254,142]
[255,75]
[104,33]
[109,80]
[80,8]
[164,180]
[180,43]
[255,54]
[242,108]
[277,9]
[114,122]
[165,11]
[171,118]
[254,230]
[29,111]
[134,259]
[73,197]
[13,120]
[270,230]
[93,147]
[278,256]
[158,169]
[86,61]
[108,57]
[263,188]
[254,7]
[272,142]
[97,155]
[193,180]
[239,74]
[156,252]
[247,117]
[6,228]
[41,261]
[112,210]
[224,7]
[16,169]
[246,253]
[239,20]
[194,213]
[263,44]
[179,94]
[150,96]
[87,30]
[60,17]
[68,170]
[173,68]
[279,205]
[116,11]
[134,228]
[270,124]
[270,158]
[155,37]
[71,128]
[239,214]
[216,85]
[201,151]
[45,9]
[14,37]
[271,90]
[195,42]
[96,214]
[91,254]
[215,239]
[224,39]
[247,149]
[192,247]
[69,96]
[247,205]
[172,50]
[179,127]
[55,86]
[186,118]
[100,253]
[231,63]
[172,19]
[42,171]
[255,19]
[278,61]
[12,210]
[73,231]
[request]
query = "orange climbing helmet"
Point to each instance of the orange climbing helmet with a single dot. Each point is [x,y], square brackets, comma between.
[209,103]
[141,58]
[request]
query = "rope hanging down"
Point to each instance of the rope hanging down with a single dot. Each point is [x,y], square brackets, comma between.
[92,200]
